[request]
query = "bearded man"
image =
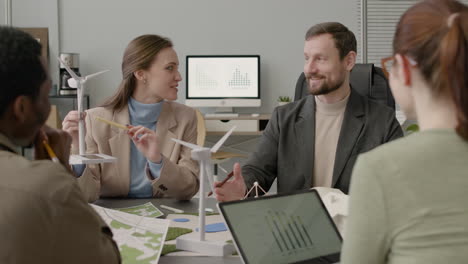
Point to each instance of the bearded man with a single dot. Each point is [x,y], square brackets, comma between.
[314,142]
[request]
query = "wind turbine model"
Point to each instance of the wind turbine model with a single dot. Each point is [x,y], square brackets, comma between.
[213,248]
[79,82]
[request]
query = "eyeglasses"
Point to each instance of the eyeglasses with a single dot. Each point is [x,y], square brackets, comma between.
[388,62]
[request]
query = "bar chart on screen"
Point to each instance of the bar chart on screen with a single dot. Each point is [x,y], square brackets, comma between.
[289,232]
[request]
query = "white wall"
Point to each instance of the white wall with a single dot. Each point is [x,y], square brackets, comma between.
[100,30]
[274,29]
[2,12]
[39,13]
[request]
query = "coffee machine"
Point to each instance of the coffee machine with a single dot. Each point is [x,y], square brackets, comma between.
[73,61]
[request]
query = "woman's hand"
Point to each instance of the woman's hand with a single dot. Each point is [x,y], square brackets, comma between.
[146,141]
[70,125]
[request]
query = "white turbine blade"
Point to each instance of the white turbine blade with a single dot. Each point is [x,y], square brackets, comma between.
[95,74]
[70,71]
[190,145]
[221,141]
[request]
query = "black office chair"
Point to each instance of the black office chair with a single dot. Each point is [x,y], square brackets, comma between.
[366,79]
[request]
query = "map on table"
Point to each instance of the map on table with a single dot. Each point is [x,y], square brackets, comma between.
[140,238]
[147,209]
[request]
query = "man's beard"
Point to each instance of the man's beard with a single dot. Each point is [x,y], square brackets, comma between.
[326,87]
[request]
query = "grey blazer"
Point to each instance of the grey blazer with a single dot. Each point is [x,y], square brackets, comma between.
[286,148]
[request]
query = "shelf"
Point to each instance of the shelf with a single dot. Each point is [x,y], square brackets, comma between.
[247,125]
[67,103]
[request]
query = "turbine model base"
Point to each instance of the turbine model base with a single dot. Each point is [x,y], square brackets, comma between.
[91,159]
[210,248]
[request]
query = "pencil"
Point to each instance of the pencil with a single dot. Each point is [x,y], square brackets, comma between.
[175,210]
[51,153]
[111,123]
[223,182]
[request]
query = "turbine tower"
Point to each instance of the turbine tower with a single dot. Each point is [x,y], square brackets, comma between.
[203,156]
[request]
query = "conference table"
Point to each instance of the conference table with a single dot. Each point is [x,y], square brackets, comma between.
[188,207]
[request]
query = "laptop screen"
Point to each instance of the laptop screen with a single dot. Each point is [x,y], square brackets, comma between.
[283,229]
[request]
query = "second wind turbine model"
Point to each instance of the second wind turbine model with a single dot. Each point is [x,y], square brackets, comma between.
[213,248]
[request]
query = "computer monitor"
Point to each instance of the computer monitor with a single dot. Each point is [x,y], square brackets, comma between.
[223,81]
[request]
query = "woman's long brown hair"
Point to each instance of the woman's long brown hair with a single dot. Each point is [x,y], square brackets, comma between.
[139,55]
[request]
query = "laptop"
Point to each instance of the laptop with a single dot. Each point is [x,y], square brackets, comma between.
[284,228]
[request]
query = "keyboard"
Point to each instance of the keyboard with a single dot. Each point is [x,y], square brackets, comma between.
[222,115]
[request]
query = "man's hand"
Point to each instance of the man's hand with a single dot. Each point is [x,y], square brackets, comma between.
[234,189]
[58,140]
[146,142]
[70,125]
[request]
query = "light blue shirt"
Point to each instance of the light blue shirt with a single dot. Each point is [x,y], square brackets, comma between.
[140,115]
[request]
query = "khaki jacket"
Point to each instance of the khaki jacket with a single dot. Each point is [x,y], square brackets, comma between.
[179,174]
[44,217]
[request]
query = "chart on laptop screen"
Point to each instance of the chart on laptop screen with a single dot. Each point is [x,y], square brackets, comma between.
[283,229]
[289,232]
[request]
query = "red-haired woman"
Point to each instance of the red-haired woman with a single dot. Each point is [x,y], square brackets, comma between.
[408,198]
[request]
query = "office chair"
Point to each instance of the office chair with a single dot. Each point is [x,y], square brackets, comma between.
[366,79]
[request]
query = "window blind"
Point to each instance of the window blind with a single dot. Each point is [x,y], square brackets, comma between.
[381,18]
[377,24]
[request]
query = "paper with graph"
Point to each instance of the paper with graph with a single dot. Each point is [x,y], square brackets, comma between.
[140,238]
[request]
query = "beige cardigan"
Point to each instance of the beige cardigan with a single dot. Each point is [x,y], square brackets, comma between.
[179,174]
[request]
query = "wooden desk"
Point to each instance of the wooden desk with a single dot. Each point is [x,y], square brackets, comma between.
[189,207]
[247,125]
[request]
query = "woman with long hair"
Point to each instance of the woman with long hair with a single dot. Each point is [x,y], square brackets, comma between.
[408,198]
[149,163]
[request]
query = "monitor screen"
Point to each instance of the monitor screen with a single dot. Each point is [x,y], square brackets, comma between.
[223,81]
[283,229]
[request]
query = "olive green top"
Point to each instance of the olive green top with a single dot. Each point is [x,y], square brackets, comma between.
[409,202]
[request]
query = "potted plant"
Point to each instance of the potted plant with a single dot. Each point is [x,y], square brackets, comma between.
[282,100]
[412,129]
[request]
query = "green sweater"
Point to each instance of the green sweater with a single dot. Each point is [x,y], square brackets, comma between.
[409,202]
